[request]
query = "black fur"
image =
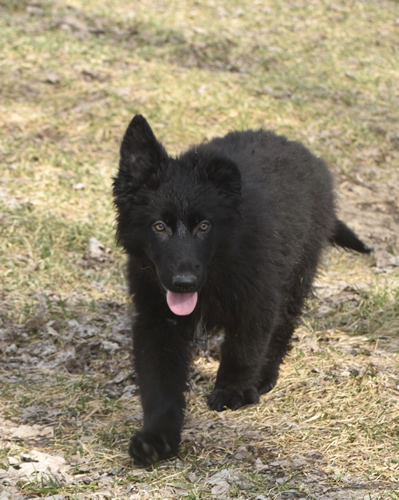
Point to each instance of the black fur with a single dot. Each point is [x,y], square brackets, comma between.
[241,221]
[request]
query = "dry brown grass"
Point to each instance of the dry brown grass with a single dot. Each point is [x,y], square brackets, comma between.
[72,75]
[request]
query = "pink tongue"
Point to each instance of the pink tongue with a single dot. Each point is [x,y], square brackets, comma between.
[181,304]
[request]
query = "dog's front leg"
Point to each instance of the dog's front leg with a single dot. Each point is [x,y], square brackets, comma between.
[162,356]
[242,353]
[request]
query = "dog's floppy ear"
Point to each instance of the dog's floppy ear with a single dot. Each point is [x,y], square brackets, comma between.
[225,175]
[141,157]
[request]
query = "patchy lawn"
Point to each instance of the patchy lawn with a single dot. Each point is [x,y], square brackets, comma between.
[72,76]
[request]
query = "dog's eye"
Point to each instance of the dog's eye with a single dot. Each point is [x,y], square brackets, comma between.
[204,226]
[159,227]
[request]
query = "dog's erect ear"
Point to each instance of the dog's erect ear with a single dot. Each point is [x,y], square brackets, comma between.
[141,156]
[224,173]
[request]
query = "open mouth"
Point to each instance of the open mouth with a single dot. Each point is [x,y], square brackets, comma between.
[181,304]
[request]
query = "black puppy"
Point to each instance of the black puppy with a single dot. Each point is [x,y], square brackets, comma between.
[229,234]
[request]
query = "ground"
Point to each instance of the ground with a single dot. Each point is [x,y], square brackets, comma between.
[72,76]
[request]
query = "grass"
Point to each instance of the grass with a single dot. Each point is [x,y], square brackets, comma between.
[73,74]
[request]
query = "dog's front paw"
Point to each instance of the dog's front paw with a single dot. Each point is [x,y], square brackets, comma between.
[147,448]
[220,398]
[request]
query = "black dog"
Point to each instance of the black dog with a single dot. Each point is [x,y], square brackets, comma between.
[229,234]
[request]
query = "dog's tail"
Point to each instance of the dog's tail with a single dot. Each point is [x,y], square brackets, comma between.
[346,238]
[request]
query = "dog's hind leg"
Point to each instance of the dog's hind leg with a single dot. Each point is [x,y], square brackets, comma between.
[296,291]
[276,350]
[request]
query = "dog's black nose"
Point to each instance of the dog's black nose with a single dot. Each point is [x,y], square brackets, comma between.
[185,282]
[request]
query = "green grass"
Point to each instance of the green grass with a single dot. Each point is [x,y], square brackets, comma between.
[72,76]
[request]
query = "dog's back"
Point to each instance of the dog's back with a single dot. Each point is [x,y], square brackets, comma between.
[286,190]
